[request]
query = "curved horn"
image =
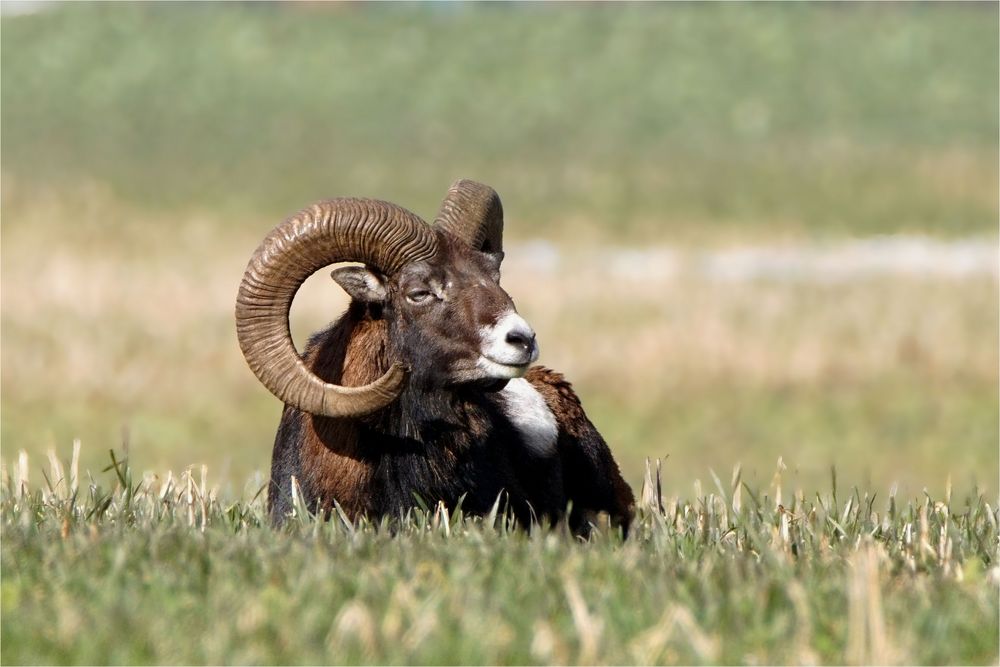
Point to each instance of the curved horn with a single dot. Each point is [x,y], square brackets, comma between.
[380,234]
[472,212]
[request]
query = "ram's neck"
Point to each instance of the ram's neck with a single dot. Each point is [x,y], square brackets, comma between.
[358,349]
[353,351]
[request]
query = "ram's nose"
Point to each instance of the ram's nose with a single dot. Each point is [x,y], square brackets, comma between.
[518,345]
[523,340]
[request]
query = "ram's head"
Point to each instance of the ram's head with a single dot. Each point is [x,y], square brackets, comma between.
[436,286]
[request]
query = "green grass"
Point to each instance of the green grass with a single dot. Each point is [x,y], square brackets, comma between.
[163,570]
[643,121]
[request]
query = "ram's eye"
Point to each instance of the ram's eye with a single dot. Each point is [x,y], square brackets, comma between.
[418,295]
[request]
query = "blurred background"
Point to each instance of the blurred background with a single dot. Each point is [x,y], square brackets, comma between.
[744,231]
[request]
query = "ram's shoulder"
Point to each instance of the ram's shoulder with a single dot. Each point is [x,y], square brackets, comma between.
[558,394]
[551,382]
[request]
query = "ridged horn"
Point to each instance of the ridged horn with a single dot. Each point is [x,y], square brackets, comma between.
[379,234]
[472,212]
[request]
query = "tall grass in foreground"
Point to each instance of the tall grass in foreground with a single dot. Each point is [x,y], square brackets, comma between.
[164,570]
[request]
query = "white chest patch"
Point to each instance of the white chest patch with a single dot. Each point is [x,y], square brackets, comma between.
[528,412]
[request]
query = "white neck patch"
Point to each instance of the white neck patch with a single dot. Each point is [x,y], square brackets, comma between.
[530,415]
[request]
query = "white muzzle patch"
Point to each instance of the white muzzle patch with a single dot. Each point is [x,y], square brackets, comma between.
[530,415]
[508,347]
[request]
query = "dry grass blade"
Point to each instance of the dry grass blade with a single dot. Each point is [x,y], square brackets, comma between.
[736,488]
[588,628]
[867,643]
[676,623]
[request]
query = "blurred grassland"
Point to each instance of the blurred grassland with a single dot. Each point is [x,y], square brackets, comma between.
[639,121]
[148,148]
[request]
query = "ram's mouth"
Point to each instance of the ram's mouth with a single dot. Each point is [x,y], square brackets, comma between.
[500,370]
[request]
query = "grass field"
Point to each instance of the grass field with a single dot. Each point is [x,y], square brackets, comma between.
[639,150]
[737,575]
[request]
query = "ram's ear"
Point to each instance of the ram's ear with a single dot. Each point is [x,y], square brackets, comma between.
[494,259]
[361,284]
